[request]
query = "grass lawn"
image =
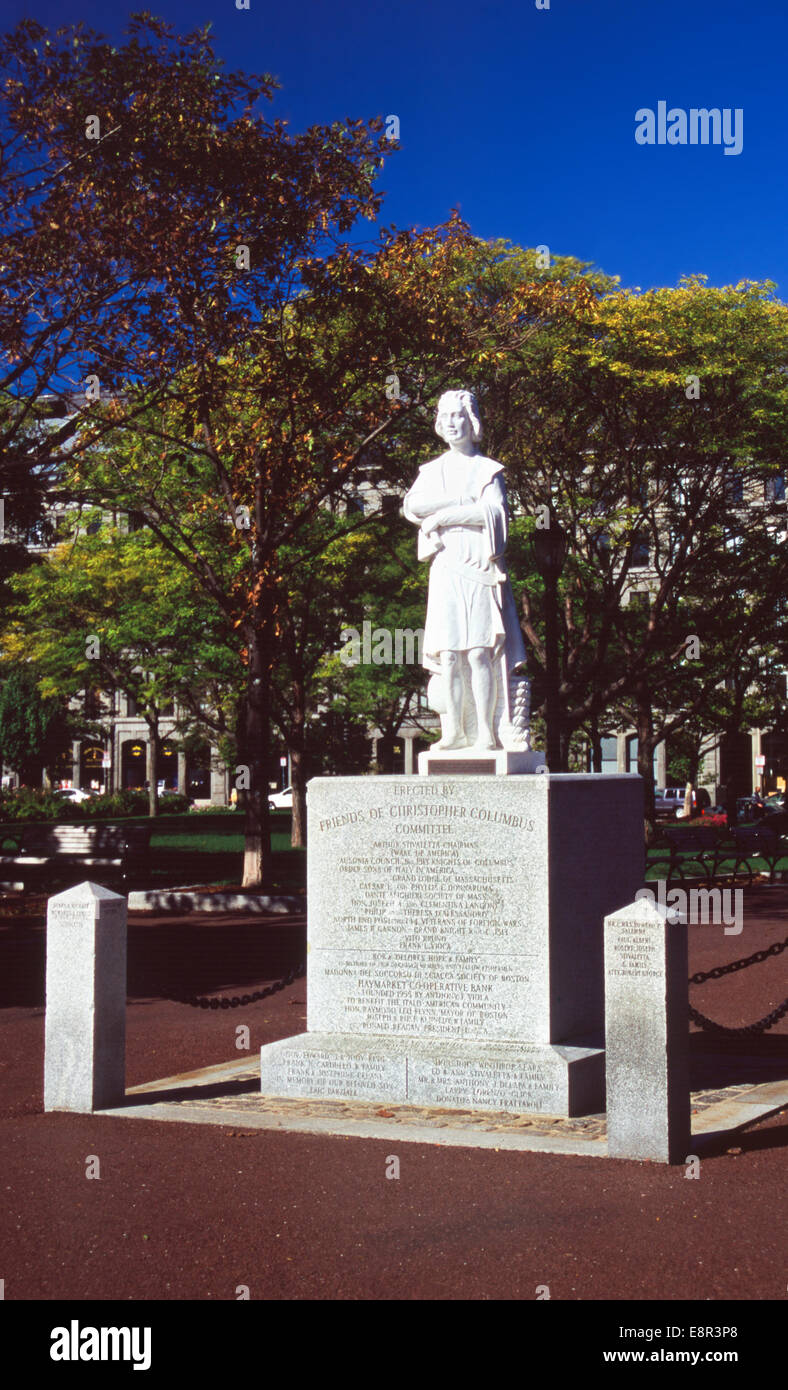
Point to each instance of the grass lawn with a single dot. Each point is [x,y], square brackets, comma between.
[211,842]
[203,849]
[209,849]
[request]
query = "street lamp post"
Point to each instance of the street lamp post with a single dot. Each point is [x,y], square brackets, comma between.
[550,553]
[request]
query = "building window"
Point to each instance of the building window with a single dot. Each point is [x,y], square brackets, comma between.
[640,598]
[774,489]
[641,551]
[39,533]
[734,490]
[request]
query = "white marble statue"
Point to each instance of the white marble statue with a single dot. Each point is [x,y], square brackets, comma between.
[472,639]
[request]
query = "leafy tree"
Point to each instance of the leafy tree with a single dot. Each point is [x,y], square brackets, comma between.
[130,177]
[251,447]
[391,598]
[171,216]
[111,610]
[34,730]
[637,430]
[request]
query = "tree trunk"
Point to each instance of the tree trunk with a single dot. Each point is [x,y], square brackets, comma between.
[256,726]
[596,748]
[384,752]
[296,747]
[151,763]
[644,725]
[298,783]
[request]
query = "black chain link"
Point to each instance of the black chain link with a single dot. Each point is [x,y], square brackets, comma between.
[750,1029]
[204,1001]
[238,1001]
[755,959]
[709,1026]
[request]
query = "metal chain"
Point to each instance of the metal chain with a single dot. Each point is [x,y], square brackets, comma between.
[238,1001]
[755,959]
[196,1001]
[763,1024]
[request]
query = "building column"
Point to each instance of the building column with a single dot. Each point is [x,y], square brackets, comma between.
[409,741]
[76,750]
[662,764]
[181,771]
[116,772]
[758,774]
[621,753]
[709,768]
[220,778]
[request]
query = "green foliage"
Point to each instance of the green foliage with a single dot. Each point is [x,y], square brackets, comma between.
[34,804]
[33,730]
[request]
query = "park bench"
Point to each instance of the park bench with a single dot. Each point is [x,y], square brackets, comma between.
[48,851]
[717,855]
[765,841]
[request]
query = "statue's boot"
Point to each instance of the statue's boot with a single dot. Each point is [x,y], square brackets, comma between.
[453,739]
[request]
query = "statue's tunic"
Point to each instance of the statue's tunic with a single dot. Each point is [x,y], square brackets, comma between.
[470,601]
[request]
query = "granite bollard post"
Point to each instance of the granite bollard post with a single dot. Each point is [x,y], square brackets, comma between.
[647,1034]
[85,1055]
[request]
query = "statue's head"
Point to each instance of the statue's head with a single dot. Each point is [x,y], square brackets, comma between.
[452,402]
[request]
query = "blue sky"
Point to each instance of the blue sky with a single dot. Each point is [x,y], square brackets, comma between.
[525,118]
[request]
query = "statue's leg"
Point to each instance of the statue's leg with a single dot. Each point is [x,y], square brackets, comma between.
[484,691]
[451,721]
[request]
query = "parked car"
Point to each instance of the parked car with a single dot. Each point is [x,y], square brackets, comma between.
[73,794]
[281,801]
[748,809]
[669,802]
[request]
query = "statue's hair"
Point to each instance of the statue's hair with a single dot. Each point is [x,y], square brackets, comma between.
[466,400]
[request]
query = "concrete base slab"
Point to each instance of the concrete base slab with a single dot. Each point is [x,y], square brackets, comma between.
[536,1078]
[229,1095]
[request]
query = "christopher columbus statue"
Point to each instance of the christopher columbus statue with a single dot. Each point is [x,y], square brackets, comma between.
[472,639]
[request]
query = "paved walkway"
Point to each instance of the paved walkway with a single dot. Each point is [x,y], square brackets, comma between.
[191,1211]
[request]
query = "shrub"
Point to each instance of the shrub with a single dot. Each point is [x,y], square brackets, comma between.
[111,805]
[33,803]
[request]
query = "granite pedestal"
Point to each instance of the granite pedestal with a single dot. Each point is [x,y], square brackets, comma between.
[455,939]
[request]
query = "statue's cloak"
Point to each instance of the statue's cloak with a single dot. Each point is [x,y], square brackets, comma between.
[470,601]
